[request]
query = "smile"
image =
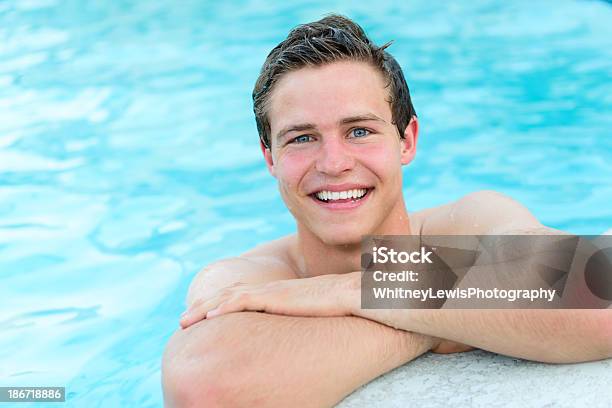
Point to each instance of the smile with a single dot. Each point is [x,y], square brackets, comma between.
[341,200]
[354,194]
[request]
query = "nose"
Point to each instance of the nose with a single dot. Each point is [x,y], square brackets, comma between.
[334,157]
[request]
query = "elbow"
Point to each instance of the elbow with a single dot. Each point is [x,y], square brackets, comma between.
[197,368]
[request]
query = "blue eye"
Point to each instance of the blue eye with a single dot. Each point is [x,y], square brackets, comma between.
[301,139]
[360,132]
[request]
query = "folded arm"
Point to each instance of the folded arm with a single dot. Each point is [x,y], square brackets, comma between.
[557,336]
[259,359]
[553,336]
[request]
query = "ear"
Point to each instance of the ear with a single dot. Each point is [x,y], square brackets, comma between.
[409,142]
[268,158]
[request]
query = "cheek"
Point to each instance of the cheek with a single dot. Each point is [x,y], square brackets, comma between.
[384,161]
[290,169]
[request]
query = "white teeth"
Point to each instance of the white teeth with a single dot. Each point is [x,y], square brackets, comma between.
[341,195]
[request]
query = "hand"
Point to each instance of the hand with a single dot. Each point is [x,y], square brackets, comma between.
[325,295]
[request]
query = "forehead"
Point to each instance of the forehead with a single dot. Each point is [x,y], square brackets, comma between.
[325,94]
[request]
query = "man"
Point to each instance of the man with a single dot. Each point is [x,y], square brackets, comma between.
[336,125]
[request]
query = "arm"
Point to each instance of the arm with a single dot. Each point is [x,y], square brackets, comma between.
[247,359]
[553,336]
[558,336]
[258,359]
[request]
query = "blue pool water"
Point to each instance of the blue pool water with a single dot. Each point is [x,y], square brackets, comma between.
[129,156]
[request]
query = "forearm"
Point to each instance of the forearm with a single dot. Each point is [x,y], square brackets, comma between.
[271,360]
[558,336]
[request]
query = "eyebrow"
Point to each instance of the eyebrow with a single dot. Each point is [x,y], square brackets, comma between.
[362,118]
[295,128]
[309,126]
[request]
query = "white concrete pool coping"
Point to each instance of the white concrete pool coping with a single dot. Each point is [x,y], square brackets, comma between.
[480,378]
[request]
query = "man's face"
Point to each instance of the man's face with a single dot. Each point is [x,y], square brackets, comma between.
[335,152]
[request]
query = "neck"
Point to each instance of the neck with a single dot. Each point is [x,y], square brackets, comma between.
[319,258]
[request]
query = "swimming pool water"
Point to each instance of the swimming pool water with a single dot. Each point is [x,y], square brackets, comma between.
[129,156]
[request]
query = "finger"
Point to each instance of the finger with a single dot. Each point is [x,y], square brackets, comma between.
[198,312]
[238,297]
[198,309]
[241,302]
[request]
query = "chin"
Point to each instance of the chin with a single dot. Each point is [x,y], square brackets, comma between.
[337,235]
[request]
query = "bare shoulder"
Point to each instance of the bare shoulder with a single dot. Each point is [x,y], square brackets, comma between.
[267,262]
[481,212]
